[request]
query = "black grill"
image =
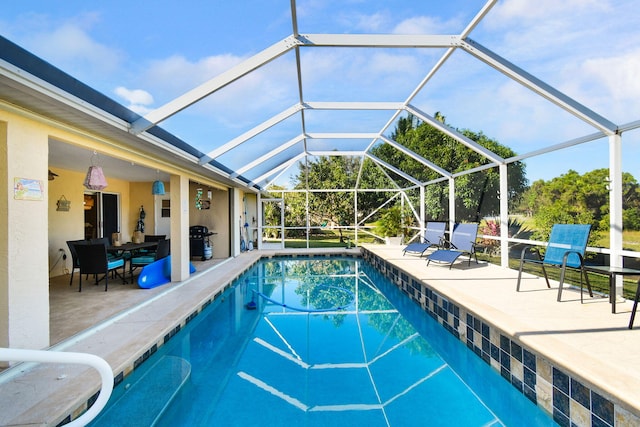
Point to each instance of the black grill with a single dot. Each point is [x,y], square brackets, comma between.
[199,242]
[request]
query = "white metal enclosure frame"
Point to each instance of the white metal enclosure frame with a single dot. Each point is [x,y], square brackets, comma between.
[298,41]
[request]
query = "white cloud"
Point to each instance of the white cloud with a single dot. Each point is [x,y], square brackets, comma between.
[175,75]
[369,23]
[135,96]
[532,11]
[425,25]
[608,85]
[138,100]
[71,48]
[244,102]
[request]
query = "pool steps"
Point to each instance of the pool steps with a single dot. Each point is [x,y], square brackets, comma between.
[147,398]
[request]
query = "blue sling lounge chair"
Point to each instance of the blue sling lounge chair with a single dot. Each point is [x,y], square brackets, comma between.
[433,236]
[463,241]
[566,248]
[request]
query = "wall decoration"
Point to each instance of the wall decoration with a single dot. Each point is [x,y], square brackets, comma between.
[63,204]
[27,189]
[199,204]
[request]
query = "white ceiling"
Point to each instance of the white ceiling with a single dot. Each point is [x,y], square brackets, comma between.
[70,157]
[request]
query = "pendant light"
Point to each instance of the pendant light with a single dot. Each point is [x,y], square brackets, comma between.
[157,189]
[95,179]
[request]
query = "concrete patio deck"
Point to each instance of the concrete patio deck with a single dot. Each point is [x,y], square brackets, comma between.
[587,339]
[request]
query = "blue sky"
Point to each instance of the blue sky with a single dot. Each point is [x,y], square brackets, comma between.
[143,54]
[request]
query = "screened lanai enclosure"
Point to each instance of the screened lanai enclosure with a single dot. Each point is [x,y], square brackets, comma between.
[426,115]
[340,117]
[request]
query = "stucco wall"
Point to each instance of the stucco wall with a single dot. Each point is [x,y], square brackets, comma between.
[216,218]
[24,278]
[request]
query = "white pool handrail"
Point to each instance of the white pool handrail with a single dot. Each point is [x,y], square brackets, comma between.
[45,356]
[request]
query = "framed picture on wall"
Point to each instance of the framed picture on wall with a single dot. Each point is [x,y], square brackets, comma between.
[27,189]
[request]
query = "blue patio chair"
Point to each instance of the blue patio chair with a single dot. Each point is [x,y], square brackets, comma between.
[433,236]
[566,248]
[463,241]
[162,251]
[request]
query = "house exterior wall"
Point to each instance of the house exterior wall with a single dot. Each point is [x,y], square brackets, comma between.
[24,284]
[32,232]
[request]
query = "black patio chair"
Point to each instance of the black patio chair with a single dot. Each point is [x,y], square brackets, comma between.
[75,264]
[93,259]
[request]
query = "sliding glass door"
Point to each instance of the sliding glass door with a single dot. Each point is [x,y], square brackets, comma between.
[101,214]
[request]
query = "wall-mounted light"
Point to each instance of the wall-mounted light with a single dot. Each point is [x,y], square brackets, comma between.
[95,179]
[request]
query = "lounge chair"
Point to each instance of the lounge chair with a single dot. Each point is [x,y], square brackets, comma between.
[463,241]
[566,248]
[433,236]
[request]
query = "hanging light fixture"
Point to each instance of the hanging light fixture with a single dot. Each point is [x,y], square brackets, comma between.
[157,189]
[95,179]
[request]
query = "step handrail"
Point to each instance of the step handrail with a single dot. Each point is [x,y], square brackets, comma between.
[46,356]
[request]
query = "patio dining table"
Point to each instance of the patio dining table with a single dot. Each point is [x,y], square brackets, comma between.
[131,247]
[612,272]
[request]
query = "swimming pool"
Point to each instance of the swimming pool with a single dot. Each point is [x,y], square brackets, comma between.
[330,341]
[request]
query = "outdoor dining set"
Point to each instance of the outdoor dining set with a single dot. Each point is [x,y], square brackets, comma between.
[99,258]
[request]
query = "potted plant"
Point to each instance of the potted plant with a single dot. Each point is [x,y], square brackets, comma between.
[391,225]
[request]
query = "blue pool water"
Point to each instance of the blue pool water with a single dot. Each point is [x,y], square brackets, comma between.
[330,342]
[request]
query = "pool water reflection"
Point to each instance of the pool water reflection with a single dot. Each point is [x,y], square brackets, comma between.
[330,342]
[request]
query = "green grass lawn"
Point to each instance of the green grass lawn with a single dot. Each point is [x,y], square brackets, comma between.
[599,282]
[327,239]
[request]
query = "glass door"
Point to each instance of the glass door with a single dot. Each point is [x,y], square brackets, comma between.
[101,214]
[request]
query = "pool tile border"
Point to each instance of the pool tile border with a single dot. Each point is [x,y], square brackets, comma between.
[555,391]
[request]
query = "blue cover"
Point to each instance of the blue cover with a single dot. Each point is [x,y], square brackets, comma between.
[158,273]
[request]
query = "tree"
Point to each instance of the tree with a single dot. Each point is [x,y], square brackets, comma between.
[476,194]
[574,198]
[329,173]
